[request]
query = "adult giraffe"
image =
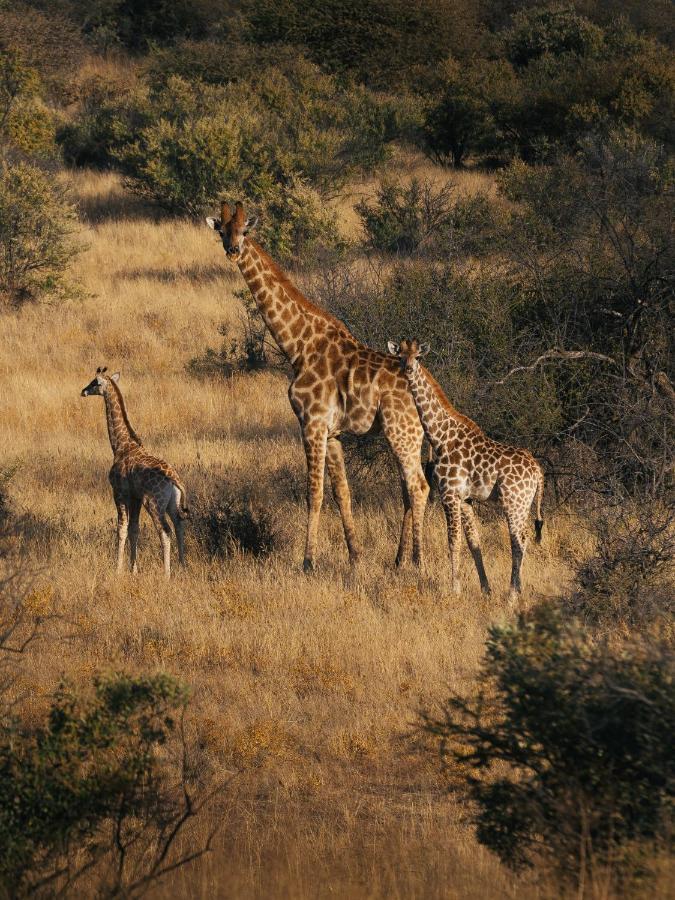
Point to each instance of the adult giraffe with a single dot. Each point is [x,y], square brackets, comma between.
[338,385]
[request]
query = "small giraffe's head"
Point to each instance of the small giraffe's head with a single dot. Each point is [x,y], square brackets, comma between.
[408,353]
[100,383]
[232,227]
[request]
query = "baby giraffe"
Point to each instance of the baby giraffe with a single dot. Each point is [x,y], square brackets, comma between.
[137,478]
[469,465]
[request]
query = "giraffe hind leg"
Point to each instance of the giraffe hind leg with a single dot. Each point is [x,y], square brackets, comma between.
[158,516]
[473,540]
[335,462]
[516,522]
[134,516]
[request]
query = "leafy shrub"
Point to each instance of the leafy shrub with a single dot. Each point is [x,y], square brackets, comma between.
[26,124]
[555,31]
[462,114]
[564,753]
[110,111]
[405,218]
[230,524]
[87,791]
[421,219]
[36,227]
[628,581]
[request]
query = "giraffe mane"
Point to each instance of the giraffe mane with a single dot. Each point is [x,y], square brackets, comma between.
[298,296]
[123,407]
[447,405]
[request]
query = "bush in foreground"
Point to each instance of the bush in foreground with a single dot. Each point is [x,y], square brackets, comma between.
[88,793]
[565,752]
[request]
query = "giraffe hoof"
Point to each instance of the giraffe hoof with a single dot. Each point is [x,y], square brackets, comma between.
[308,566]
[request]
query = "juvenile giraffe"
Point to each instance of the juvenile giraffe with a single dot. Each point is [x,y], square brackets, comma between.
[470,465]
[138,479]
[338,385]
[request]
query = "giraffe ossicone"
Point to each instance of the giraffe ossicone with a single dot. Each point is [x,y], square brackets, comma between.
[469,465]
[338,386]
[138,479]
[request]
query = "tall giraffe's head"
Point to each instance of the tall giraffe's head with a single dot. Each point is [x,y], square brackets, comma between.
[232,227]
[100,383]
[408,353]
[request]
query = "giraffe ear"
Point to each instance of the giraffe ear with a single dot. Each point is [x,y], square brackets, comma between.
[115,377]
[424,349]
[393,348]
[250,223]
[213,223]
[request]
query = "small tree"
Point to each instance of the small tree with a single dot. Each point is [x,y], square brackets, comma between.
[565,753]
[36,227]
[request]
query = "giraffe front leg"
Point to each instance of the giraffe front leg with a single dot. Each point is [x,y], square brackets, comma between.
[122,530]
[338,477]
[315,440]
[453,517]
[473,540]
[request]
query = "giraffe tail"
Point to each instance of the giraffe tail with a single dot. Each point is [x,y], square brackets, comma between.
[538,496]
[183,511]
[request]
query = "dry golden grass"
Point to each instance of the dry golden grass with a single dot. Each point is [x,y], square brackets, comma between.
[304,687]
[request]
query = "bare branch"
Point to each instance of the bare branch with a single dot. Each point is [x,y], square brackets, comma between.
[555,354]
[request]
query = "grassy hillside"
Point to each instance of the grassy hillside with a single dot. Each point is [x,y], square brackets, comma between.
[306,690]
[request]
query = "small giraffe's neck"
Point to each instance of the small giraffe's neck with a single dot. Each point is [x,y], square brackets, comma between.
[122,435]
[433,407]
[292,319]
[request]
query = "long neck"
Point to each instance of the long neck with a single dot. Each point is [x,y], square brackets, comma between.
[120,432]
[432,409]
[293,320]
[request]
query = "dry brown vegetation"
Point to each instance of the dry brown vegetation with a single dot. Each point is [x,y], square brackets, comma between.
[304,689]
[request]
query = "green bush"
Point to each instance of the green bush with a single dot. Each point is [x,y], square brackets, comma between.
[468,101]
[565,752]
[404,219]
[551,30]
[424,220]
[110,112]
[26,123]
[37,224]
[88,792]
[190,151]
